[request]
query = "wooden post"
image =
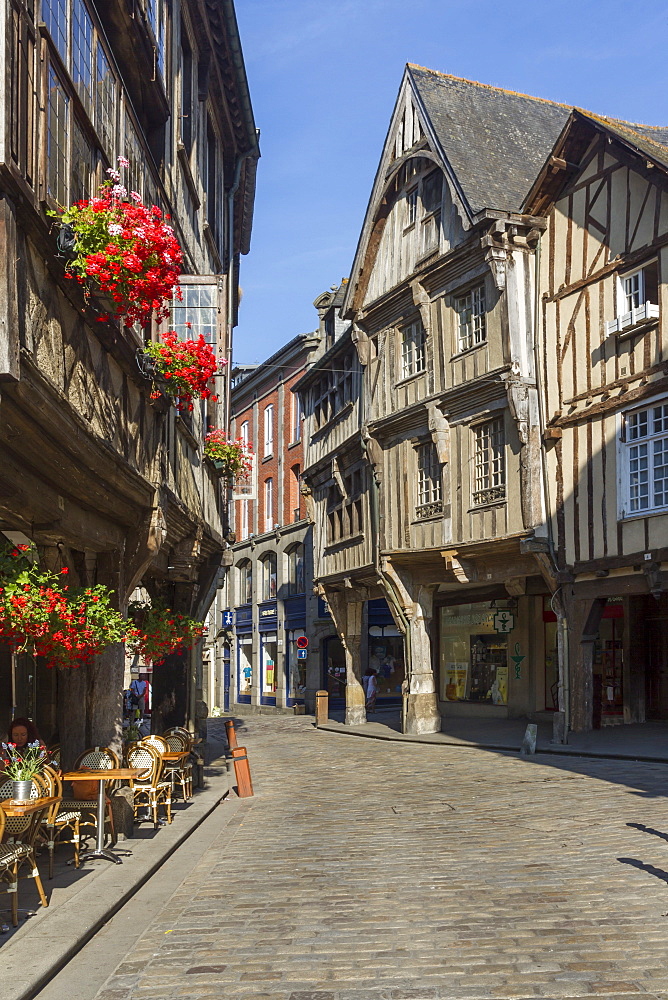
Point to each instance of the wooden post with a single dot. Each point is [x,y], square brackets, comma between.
[231,734]
[242,772]
[321,707]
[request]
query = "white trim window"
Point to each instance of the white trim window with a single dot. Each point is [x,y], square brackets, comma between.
[472,318]
[429,500]
[268,430]
[412,349]
[490,464]
[245,519]
[244,433]
[646,460]
[268,504]
[296,417]
[637,299]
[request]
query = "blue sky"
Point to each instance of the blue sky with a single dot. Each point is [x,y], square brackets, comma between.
[324,77]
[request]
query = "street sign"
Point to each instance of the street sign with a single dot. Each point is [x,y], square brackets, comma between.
[302,654]
[504,621]
[302,642]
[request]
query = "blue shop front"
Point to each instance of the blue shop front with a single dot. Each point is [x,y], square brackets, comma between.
[244,671]
[267,624]
[296,661]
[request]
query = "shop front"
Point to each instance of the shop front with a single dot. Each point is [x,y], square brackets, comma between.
[294,609]
[244,636]
[490,658]
[268,629]
[385,652]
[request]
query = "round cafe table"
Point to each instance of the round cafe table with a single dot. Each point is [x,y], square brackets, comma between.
[102,776]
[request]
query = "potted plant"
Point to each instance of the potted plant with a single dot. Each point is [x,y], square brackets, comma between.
[122,249]
[183,368]
[22,767]
[41,614]
[232,459]
[160,631]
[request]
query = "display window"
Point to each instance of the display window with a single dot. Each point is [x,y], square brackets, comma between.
[296,667]
[473,655]
[386,657]
[245,666]
[269,659]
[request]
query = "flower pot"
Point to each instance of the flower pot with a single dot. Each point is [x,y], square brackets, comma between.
[21,790]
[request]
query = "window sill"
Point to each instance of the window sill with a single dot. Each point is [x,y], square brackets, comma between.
[481,507]
[468,350]
[293,444]
[409,378]
[338,416]
[654,512]
[633,331]
[343,543]
[631,321]
[267,458]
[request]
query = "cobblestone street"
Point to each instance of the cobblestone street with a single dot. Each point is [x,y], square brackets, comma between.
[365,870]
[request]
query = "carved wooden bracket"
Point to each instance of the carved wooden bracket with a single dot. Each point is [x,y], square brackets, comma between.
[516,586]
[465,571]
[518,403]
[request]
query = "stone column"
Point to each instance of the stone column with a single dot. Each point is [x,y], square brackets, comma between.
[422,714]
[347,616]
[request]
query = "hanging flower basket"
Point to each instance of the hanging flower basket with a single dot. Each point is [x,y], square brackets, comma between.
[122,248]
[184,368]
[40,614]
[232,459]
[159,631]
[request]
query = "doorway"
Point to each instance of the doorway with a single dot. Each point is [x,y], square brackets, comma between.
[334,670]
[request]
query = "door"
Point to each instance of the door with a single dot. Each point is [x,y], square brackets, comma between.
[334,669]
[657,674]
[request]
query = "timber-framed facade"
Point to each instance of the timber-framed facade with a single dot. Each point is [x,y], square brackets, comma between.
[106,480]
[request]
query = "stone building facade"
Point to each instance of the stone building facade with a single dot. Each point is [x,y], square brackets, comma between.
[106,480]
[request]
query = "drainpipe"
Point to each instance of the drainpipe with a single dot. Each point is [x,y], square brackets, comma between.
[562,621]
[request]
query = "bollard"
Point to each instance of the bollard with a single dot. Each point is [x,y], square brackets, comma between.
[231,734]
[321,707]
[242,772]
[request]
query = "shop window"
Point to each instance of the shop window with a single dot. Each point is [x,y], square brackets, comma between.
[472,318]
[645,460]
[386,657]
[245,666]
[473,656]
[268,655]
[269,577]
[296,583]
[490,467]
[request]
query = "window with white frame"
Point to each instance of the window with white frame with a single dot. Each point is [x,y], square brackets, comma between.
[489,463]
[269,504]
[296,417]
[637,298]
[244,432]
[472,320]
[646,460]
[429,500]
[197,311]
[245,582]
[268,430]
[412,349]
[296,570]
[245,519]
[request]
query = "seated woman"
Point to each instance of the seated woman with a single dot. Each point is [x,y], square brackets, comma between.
[23,734]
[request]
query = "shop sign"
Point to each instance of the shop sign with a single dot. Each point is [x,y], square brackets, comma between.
[517,660]
[268,612]
[504,621]
[228,619]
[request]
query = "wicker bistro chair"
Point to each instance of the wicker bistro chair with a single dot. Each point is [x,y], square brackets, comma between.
[196,759]
[77,813]
[170,769]
[52,757]
[18,845]
[180,772]
[150,789]
[57,820]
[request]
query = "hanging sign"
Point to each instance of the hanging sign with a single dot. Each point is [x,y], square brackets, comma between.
[504,621]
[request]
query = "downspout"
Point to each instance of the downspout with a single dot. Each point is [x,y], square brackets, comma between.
[562,622]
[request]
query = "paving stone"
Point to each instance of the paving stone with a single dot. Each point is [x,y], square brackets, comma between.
[367,870]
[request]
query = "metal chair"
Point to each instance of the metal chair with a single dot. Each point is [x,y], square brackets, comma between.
[149,789]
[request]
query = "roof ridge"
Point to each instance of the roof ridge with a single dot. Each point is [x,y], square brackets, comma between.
[530,97]
[489,86]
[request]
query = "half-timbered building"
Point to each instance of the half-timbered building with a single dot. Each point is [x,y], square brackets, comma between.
[109,482]
[602,344]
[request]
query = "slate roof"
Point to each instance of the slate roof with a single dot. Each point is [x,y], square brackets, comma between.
[497,140]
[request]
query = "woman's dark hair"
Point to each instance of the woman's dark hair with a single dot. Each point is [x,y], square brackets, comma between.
[28,725]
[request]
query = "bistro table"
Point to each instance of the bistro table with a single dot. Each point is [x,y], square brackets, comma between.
[102,776]
[18,809]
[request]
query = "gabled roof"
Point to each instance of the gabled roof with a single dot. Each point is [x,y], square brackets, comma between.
[495,140]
